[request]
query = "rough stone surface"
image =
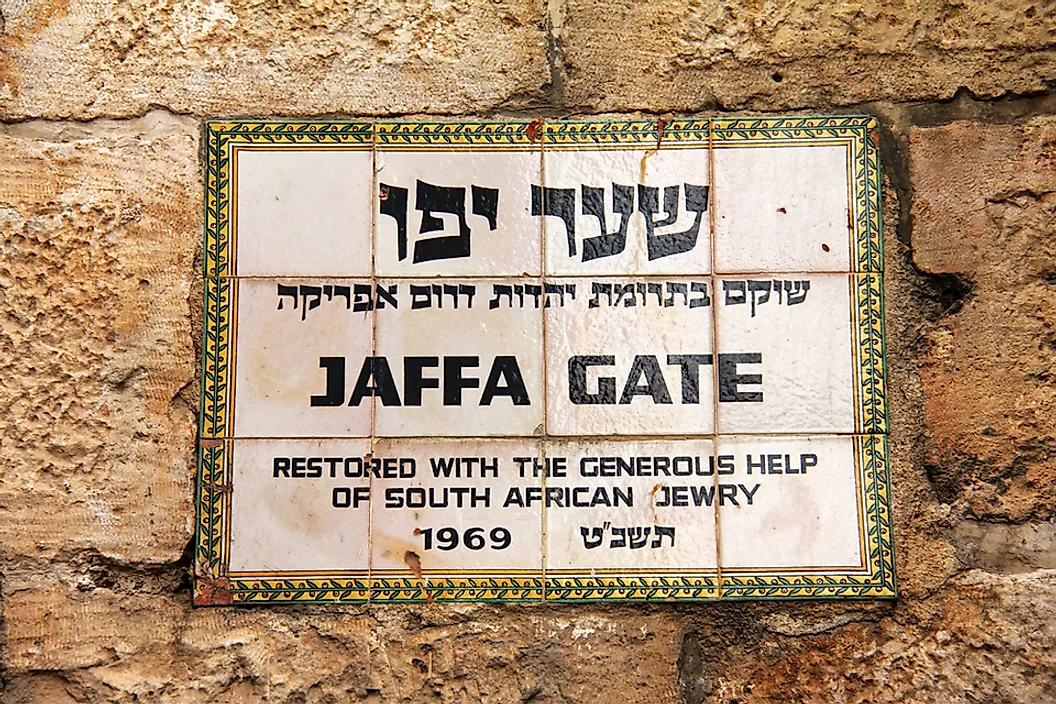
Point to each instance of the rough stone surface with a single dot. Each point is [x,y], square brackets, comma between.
[126,648]
[100,220]
[96,264]
[804,54]
[988,639]
[984,208]
[1005,548]
[111,58]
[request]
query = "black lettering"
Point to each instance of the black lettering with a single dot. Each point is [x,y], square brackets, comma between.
[454,382]
[393,497]
[353,467]
[655,385]
[726,465]
[341,497]
[335,382]
[661,465]
[414,497]
[505,368]
[729,379]
[414,382]
[376,369]
[513,498]
[577,380]
[760,465]
[690,364]
[773,464]
[444,466]
[702,495]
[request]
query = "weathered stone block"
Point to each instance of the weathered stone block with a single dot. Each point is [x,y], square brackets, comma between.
[113,58]
[96,418]
[1001,547]
[983,208]
[990,639]
[124,648]
[800,55]
[119,647]
[52,629]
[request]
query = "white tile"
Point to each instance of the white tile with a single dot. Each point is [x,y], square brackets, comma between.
[791,502]
[782,209]
[630,505]
[638,370]
[302,212]
[785,356]
[482,367]
[459,505]
[604,196]
[279,365]
[462,213]
[294,509]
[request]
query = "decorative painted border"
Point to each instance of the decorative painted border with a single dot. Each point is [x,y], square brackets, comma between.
[870,370]
[620,134]
[703,586]
[213,584]
[300,591]
[441,587]
[457,135]
[217,377]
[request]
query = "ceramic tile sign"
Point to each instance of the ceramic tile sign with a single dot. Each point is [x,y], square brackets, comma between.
[591,360]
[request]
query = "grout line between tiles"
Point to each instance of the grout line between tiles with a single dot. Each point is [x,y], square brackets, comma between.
[558,438]
[558,275]
[543,444]
[544,452]
[716,521]
[521,277]
[373,353]
[492,277]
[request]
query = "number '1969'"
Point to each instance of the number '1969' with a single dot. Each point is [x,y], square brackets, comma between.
[473,538]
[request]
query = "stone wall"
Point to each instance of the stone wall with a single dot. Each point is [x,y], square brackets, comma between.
[100,210]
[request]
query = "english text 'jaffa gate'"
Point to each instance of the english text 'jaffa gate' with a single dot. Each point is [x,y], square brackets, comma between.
[561,360]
